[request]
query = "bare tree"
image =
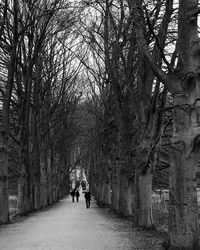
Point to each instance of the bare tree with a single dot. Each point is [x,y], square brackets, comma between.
[182,82]
[4,135]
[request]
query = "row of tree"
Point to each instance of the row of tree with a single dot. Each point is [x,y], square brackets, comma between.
[143,70]
[138,61]
[39,92]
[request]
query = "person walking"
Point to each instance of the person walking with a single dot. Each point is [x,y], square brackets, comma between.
[73,194]
[77,195]
[87,199]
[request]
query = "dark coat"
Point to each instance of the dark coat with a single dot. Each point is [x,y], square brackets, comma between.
[87,196]
[77,193]
[73,192]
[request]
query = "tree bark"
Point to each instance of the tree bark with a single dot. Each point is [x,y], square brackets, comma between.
[50,186]
[115,197]
[98,191]
[183,209]
[125,195]
[106,193]
[143,199]
[115,187]
[25,183]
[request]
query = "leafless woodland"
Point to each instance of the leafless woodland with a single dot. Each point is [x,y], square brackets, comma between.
[111,87]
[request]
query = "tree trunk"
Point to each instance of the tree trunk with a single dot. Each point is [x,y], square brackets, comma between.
[37,192]
[4,213]
[24,199]
[125,196]
[146,158]
[55,181]
[106,193]
[25,181]
[183,210]
[35,163]
[35,118]
[49,177]
[115,197]
[101,202]
[44,185]
[143,199]
[4,144]
[98,188]
[115,186]
[43,174]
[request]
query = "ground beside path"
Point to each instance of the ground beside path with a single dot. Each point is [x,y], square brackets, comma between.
[70,226]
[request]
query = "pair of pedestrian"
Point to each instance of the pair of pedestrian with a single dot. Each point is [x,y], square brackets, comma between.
[75,193]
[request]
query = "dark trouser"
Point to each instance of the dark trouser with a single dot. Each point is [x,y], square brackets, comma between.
[87,201]
[77,198]
[72,198]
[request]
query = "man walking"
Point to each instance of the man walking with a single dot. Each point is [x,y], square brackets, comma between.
[72,194]
[77,195]
[87,199]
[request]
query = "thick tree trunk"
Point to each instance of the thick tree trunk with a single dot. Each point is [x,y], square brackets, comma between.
[94,189]
[115,197]
[61,176]
[4,144]
[125,171]
[125,196]
[143,199]
[98,188]
[55,178]
[37,192]
[115,187]
[44,185]
[46,174]
[106,193]
[49,177]
[185,153]
[43,175]
[35,169]
[183,210]
[26,180]
[101,201]
[35,116]
[105,197]
[4,214]
[143,174]
[24,195]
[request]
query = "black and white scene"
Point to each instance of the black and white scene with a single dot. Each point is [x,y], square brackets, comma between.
[99,125]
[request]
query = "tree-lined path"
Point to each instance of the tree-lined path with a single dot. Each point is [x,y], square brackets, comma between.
[70,226]
[106,94]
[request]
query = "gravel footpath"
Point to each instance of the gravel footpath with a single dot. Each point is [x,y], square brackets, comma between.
[70,226]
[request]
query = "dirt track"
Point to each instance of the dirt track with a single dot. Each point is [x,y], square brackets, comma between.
[70,226]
